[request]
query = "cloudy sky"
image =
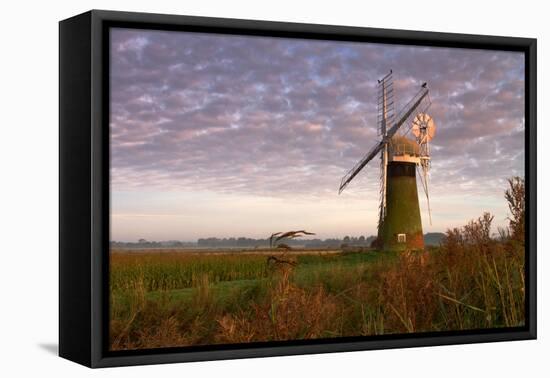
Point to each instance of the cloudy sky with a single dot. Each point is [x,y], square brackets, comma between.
[217,135]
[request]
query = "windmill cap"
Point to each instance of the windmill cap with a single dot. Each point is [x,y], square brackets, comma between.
[402,145]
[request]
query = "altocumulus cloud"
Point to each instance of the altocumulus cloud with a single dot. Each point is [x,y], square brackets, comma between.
[280,117]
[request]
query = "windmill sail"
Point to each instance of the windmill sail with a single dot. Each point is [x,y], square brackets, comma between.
[386,104]
[424,180]
[418,104]
[386,116]
[357,168]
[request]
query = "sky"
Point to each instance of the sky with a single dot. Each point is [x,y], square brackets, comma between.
[220,135]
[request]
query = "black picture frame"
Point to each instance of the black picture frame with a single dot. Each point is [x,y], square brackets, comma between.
[84,186]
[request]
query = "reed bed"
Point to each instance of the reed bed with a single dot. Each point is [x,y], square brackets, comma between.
[471,281]
[179,270]
[443,289]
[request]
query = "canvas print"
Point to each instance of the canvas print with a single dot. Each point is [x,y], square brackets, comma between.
[270,189]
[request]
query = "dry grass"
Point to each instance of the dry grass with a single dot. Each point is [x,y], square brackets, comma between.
[444,289]
[275,318]
[470,282]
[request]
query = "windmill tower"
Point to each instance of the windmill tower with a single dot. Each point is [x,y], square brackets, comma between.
[401,155]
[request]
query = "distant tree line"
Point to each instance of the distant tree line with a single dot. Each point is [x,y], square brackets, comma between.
[232,242]
[142,243]
[213,242]
[243,242]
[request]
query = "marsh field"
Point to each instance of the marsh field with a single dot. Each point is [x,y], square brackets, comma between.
[181,298]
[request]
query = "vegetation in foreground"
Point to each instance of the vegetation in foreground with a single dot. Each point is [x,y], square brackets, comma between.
[176,299]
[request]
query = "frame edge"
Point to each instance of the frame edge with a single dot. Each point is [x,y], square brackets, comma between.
[74,193]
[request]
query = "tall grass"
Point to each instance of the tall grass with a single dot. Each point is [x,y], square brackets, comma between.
[447,288]
[471,281]
[175,270]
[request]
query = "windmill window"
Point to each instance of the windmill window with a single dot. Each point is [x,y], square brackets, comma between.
[401,238]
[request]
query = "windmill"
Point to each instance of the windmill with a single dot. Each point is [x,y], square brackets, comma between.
[399,222]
